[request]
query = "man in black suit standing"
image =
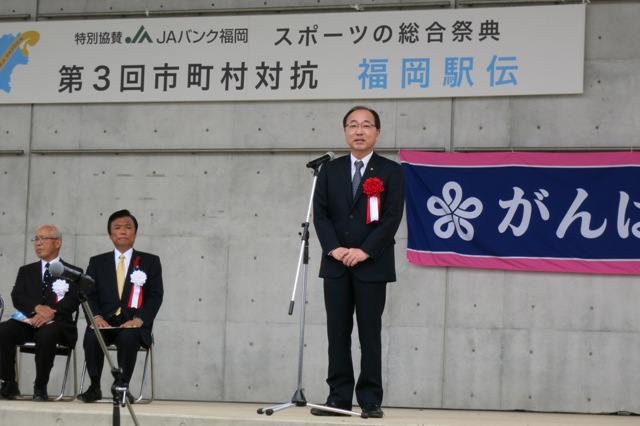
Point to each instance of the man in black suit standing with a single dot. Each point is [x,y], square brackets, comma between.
[124,304]
[46,308]
[358,206]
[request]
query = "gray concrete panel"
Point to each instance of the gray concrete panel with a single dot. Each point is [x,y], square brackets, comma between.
[177,344]
[53,192]
[14,186]
[417,298]
[12,255]
[155,7]
[194,290]
[473,368]
[414,374]
[15,248]
[420,124]
[571,303]
[56,127]
[591,371]
[151,186]
[249,373]
[15,127]
[605,115]
[482,122]
[128,126]
[607,36]
[270,193]
[315,362]
[602,116]
[215,126]
[475,299]
[18,8]
[190,359]
[260,284]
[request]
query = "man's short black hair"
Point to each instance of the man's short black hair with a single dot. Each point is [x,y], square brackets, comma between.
[376,117]
[118,215]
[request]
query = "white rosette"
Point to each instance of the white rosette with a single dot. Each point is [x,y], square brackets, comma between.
[60,288]
[138,278]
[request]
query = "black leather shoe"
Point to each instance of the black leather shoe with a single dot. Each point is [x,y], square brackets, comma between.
[320,412]
[372,411]
[9,389]
[91,395]
[40,393]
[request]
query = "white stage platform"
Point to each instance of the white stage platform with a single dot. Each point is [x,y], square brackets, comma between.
[181,413]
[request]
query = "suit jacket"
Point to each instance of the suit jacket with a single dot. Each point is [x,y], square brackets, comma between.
[103,297]
[27,293]
[340,218]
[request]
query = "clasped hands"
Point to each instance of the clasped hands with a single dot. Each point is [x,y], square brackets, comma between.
[44,314]
[349,256]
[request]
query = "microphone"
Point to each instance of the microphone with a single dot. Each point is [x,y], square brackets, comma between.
[57,269]
[318,161]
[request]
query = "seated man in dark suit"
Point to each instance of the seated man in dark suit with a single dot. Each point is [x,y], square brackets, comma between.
[124,304]
[45,315]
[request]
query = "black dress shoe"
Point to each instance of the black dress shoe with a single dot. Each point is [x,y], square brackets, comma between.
[320,412]
[9,389]
[372,411]
[40,393]
[91,395]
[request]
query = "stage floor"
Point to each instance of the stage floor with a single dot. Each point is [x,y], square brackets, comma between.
[161,413]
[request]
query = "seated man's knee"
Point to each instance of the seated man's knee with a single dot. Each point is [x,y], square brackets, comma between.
[128,338]
[46,337]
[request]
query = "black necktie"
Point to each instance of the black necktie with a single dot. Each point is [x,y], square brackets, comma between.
[46,279]
[356,177]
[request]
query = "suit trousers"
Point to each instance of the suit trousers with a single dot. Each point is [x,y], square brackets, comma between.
[343,296]
[46,338]
[127,340]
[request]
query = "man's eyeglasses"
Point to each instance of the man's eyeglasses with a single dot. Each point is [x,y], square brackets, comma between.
[37,240]
[366,126]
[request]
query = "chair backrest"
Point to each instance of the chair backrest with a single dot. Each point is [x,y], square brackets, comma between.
[1,307]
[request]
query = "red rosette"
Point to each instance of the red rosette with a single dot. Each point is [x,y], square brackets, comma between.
[373,187]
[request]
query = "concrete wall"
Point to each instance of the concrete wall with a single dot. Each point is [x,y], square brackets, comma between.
[226,224]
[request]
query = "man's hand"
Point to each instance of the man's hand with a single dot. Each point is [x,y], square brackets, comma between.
[101,323]
[349,257]
[134,323]
[43,315]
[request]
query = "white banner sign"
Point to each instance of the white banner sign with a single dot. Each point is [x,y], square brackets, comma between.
[351,55]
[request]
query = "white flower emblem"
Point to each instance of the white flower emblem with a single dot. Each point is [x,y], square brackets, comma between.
[60,287]
[138,278]
[454,212]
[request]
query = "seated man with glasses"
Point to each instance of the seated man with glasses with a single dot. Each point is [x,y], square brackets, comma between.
[45,309]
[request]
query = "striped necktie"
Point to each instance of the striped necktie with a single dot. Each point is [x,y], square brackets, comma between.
[357,177]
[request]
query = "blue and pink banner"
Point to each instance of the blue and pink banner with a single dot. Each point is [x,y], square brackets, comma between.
[563,212]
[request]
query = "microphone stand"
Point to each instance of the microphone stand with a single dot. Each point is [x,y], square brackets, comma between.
[298,399]
[119,389]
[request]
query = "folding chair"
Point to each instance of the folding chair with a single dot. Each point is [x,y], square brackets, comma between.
[62,350]
[148,360]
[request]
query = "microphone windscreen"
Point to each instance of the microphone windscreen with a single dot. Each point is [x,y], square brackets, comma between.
[56,269]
